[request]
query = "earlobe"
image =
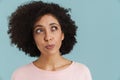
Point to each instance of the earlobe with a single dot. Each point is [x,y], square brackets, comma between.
[62,36]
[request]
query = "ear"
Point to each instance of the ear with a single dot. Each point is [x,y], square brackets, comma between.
[62,36]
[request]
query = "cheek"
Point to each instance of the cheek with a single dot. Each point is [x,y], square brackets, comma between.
[37,40]
[59,38]
[38,43]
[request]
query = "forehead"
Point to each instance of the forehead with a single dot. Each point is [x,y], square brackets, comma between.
[46,20]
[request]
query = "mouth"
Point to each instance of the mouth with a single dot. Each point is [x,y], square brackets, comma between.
[51,46]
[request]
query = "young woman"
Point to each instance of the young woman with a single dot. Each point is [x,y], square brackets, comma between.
[46,31]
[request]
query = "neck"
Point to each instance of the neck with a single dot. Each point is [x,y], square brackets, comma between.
[51,62]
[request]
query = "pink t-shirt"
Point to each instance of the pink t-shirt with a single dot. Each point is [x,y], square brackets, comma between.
[75,71]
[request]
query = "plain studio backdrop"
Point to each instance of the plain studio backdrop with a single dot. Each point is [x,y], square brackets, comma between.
[98,37]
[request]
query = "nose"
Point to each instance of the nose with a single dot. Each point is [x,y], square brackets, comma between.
[48,36]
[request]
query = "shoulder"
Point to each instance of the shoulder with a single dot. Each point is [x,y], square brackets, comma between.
[23,68]
[21,71]
[83,69]
[80,66]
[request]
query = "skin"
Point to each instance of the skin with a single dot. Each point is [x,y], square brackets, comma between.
[48,37]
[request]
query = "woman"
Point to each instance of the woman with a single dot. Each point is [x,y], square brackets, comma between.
[46,31]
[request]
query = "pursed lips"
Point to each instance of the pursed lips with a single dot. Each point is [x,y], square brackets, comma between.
[50,46]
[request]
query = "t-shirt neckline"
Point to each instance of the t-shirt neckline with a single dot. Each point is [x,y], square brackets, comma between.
[57,71]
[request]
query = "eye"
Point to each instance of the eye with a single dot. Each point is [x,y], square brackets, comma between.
[38,30]
[54,28]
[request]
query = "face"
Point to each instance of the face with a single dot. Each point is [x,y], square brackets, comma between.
[48,35]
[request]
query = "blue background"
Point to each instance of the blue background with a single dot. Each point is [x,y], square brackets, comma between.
[98,37]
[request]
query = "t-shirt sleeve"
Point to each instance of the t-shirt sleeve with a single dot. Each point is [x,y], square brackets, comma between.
[15,75]
[18,74]
[84,71]
[88,75]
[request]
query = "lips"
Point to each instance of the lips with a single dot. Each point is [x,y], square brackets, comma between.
[51,46]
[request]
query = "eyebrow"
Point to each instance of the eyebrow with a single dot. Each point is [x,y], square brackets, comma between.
[54,24]
[39,25]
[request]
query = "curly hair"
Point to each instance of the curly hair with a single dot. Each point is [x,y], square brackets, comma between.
[22,20]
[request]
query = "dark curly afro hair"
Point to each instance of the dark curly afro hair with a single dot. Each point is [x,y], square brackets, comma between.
[22,20]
